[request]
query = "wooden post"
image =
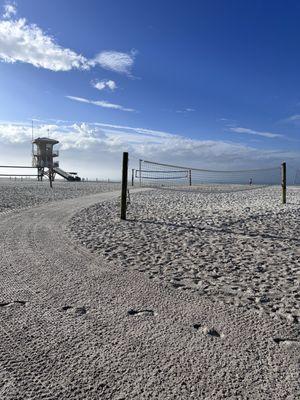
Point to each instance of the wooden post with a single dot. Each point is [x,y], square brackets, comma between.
[124,185]
[50,176]
[132,177]
[190,177]
[140,168]
[283,182]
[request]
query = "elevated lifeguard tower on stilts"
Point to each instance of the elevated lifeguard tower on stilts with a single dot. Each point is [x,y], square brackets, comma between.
[43,156]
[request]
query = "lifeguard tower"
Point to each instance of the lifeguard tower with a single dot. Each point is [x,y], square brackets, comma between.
[43,155]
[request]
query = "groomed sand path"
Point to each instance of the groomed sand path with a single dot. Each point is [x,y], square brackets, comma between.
[74,326]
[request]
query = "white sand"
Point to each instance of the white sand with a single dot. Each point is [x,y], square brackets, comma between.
[16,194]
[240,247]
[77,325]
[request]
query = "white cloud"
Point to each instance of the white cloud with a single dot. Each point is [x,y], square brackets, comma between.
[257,133]
[10,9]
[14,132]
[101,103]
[23,42]
[115,61]
[293,118]
[105,84]
[141,131]
[100,145]
[185,110]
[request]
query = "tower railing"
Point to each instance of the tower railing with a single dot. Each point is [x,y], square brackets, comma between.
[36,153]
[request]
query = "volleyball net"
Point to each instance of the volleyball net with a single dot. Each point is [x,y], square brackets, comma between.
[297,178]
[154,174]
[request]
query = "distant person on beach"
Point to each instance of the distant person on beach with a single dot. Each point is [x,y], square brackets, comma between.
[250,181]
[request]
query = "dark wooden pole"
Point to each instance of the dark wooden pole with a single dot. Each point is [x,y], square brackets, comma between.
[132,177]
[190,177]
[124,185]
[50,176]
[283,182]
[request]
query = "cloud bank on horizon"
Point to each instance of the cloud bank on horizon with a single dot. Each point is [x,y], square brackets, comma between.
[94,142]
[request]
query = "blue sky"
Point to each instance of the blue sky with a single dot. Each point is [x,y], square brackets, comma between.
[212,84]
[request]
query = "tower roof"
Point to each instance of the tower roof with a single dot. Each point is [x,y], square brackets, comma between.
[45,140]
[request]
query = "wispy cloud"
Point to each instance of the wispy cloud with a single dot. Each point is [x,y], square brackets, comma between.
[293,118]
[248,131]
[105,84]
[228,121]
[10,9]
[141,131]
[185,110]
[23,42]
[101,103]
[115,61]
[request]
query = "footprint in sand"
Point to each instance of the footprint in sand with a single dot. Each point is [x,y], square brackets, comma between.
[21,302]
[177,285]
[140,312]
[197,326]
[66,308]
[79,311]
[286,342]
[208,331]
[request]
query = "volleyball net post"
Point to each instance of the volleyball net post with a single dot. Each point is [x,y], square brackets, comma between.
[283,182]
[140,172]
[124,186]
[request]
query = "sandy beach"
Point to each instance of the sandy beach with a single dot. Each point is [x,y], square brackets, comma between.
[19,194]
[196,296]
[149,200]
[232,245]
